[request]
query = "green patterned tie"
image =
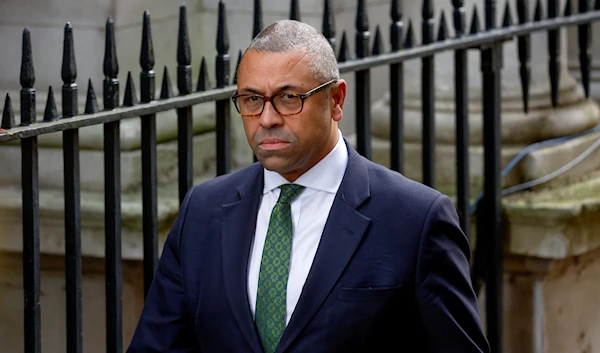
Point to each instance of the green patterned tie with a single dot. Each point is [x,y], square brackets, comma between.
[274,267]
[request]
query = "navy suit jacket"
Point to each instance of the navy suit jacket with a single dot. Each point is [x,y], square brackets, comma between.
[391,273]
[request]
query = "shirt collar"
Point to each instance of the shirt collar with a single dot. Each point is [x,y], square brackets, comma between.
[325,176]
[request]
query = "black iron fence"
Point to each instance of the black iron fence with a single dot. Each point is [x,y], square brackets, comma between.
[488,38]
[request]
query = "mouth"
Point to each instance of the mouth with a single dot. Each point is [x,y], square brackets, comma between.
[273,144]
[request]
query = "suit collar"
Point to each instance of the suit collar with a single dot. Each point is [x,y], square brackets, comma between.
[238,224]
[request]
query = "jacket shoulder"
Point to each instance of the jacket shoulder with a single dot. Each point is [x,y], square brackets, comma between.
[223,188]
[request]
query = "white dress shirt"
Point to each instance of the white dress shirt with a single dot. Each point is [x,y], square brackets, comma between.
[309,214]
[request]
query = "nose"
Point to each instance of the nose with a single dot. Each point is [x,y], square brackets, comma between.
[269,117]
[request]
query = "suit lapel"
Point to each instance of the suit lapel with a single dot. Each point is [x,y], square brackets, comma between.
[238,226]
[343,232]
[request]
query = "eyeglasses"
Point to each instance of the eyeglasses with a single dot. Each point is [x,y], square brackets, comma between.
[284,103]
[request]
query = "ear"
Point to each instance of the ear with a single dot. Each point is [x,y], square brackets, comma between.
[338,97]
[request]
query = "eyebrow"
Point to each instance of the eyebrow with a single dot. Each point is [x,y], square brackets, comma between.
[279,89]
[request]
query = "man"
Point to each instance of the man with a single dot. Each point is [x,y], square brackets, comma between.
[315,248]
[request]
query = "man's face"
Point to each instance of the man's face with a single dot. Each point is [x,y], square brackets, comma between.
[289,145]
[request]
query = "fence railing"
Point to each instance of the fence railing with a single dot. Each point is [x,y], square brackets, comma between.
[488,38]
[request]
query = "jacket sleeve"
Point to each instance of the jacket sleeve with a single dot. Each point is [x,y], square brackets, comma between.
[446,302]
[163,325]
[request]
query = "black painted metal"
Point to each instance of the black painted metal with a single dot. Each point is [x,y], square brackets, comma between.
[31,245]
[203,79]
[50,112]
[31,212]
[475,22]
[8,115]
[257,22]
[553,53]
[568,11]
[91,103]
[295,10]
[507,19]
[461,87]
[344,54]
[409,41]
[223,106]
[149,162]
[112,197]
[27,80]
[491,67]
[69,75]
[524,50]
[539,11]
[130,99]
[397,91]
[442,28]
[111,68]
[585,41]
[72,198]
[237,66]
[363,84]
[377,42]
[184,120]
[482,39]
[328,26]
[428,96]
[166,88]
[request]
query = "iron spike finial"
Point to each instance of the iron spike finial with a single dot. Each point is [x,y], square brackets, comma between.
[538,14]
[443,29]
[91,104]
[396,27]
[508,19]
[568,8]
[130,98]
[166,89]
[396,11]
[523,11]
[377,42]
[69,65]
[459,17]
[222,32]
[427,10]
[184,52]
[362,18]
[8,115]
[428,24]
[51,112]
[362,36]
[203,80]
[490,14]
[27,77]
[147,52]
[111,64]
[237,66]
[475,22]
[328,25]
[344,53]
[409,41]
[295,10]
[257,19]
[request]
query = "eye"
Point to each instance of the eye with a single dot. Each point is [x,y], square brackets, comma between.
[289,96]
[253,98]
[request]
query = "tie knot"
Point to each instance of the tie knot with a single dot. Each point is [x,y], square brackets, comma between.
[289,192]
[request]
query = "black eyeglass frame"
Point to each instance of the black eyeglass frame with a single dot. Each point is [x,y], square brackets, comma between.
[265,99]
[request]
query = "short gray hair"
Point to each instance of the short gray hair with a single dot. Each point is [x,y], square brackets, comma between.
[289,35]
